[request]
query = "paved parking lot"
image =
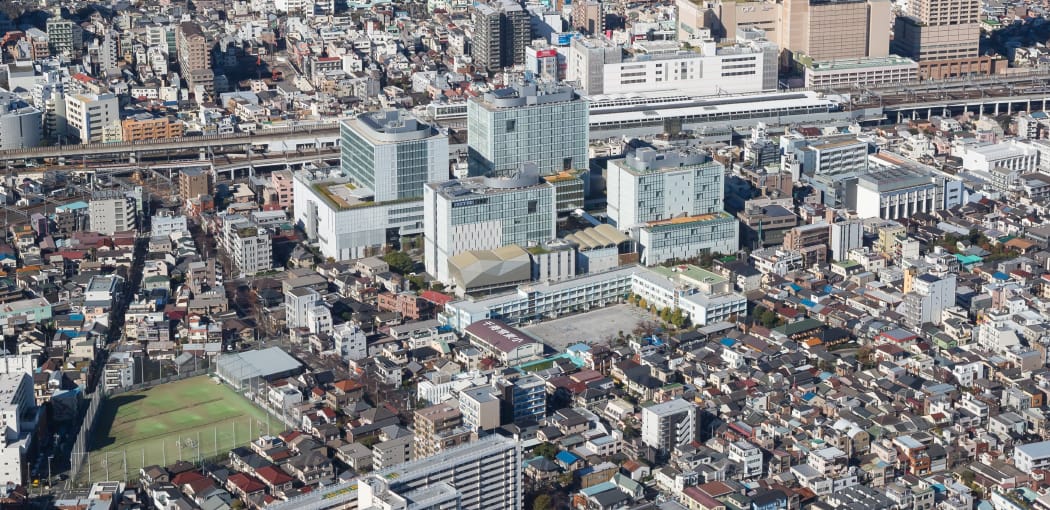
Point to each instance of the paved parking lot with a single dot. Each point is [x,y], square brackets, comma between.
[588,327]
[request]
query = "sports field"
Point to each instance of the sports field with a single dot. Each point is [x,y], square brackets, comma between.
[189,419]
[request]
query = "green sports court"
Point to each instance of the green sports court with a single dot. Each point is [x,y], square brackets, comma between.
[192,419]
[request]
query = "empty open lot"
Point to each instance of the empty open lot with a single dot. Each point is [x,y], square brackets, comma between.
[588,327]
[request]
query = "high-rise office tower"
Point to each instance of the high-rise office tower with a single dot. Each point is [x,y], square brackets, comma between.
[944,37]
[392,154]
[834,29]
[544,124]
[815,29]
[502,30]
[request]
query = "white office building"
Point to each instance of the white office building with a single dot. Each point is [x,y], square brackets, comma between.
[373,199]
[247,244]
[18,415]
[1032,456]
[671,203]
[669,424]
[480,475]
[868,71]
[344,221]
[304,308]
[832,156]
[485,213]
[929,295]
[350,342]
[983,158]
[165,225]
[845,236]
[895,192]
[749,66]
[542,124]
[112,211]
[21,124]
[93,118]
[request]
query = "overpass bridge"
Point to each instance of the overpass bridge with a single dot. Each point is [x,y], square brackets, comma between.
[317,136]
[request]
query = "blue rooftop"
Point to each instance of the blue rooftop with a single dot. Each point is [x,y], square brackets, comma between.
[808,396]
[566,457]
[807,303]
[72,206]
[999,275]
[598,489]
[728,342]
[795,287]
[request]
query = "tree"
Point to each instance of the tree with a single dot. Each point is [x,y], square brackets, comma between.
[646,329]
[678,318]
[400,262]
[565,479]
[546,449]
[768,319]
[629,431]
[417,282]
[643,304]
[542,502]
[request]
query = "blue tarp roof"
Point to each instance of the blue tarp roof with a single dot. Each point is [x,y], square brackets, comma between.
[999,275]
[808,396]
[728,342]
[807,303]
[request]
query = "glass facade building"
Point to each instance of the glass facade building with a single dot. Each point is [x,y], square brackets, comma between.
[392,154]
[485,213]
[545,125]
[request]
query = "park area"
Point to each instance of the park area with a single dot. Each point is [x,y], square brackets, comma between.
[193,419]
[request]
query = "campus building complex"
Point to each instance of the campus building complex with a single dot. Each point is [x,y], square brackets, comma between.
[485,213]
[543,124]
[671,203]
